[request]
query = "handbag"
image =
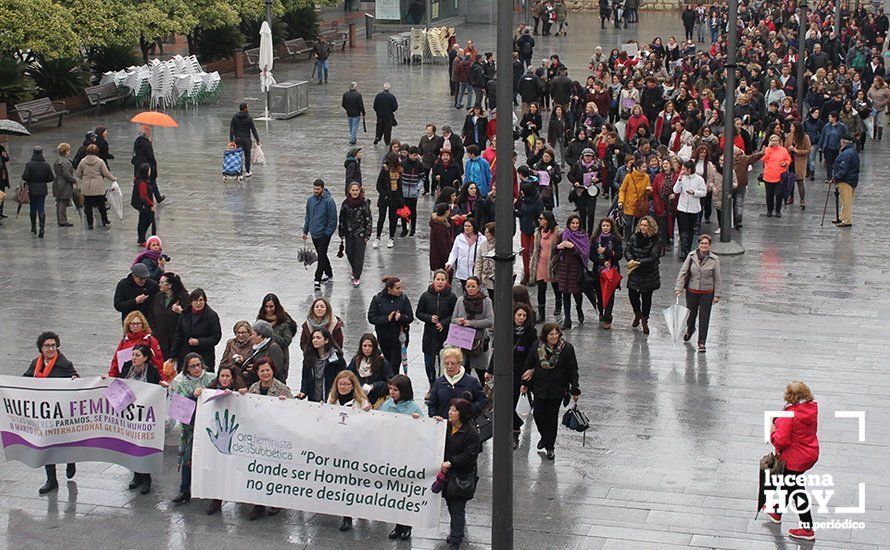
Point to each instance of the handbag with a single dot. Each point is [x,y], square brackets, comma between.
[576,420]
[461,486]
[484,425]
[21,194]
[77,195]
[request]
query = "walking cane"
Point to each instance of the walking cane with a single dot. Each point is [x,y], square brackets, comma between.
[825,208]
[314,67]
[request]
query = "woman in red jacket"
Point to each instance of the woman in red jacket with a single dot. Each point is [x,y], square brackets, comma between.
[776,160]
[136,331]
[142,202]
[797,445]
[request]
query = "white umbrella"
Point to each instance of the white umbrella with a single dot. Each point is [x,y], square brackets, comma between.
[265,63]
[675,317]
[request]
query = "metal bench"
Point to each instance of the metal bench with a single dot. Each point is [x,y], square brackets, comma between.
[253,58]
[39,110]
[296,47]
[105,93]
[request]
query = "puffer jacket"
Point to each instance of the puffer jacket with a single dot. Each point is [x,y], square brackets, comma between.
[412,178]
[702,275]
[633,195]
[435,303]
[775,162]
[92,174]
[38,174]
[643,249]
[795,438]
[484,268]
[356,221]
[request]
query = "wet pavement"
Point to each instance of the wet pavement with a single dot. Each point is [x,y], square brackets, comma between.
[670,459]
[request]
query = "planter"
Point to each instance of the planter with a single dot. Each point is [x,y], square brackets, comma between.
[234,64]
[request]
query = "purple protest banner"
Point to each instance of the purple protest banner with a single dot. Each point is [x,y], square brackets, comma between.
[460,336]
[181,408]
[119,395]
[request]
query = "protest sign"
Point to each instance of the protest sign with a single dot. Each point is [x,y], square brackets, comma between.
[181,408]
[318,458]
[58,420]
[460,336]
[119,394]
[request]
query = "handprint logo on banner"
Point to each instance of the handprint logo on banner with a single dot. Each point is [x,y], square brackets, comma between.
[225,430]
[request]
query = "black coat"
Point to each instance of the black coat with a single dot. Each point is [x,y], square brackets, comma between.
[331,369]
[104,150]
[531,89]
[525,349]
[474,134]
[385,105]
[144,153]
[152,376]
[435,303]
[126,292]
[385,195]
[355,222]
[457,148]
[38,174]
[382,304]
[645,250]
[442,392]
[242,127]
[559,379]
[62,369]
[561,89]
[353,168]
[353,104]
[206,328]
[462,448]
[164,320]
[447,175]
[378,380]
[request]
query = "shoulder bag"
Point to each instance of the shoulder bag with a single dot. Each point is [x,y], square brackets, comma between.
[461,486]
[21,194]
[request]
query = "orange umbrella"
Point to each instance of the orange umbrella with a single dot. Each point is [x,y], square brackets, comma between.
[154,118]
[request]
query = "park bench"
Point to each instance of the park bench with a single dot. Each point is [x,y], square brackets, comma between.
[39,110]
[253,58]
[296,47]
[105,93]
[336,38]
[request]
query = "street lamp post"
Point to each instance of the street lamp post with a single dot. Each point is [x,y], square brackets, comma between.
[269,12]
[801,51]
[502,461]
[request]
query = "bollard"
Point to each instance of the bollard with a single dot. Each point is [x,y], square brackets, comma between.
[238,62]
[369,26]
[352,35]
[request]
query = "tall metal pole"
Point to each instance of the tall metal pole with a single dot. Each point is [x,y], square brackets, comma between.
[726,246]
[837,19]
[801,54]
[502,464]
[269,12]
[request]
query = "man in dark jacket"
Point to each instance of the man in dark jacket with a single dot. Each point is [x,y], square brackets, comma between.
[846,176]
[430,145]
[688,16]
[354,106]
[144,153]
[38,175]
[477,80]
[320,223]
[561,90]
[321,50]
[135,291]
[531,89]
[240,129]
[385,105]
[526,46]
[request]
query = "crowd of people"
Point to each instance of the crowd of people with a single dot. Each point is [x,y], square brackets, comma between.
[639,147]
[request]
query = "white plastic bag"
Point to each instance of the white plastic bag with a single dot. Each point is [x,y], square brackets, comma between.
[258,156]
[523,406]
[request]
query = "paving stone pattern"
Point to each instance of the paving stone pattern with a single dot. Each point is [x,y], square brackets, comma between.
[670,460]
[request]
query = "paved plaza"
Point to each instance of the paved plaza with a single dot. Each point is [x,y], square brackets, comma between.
[671,457]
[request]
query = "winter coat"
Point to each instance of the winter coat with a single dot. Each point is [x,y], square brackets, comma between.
[435,303]
[429,149]
[402,407]
[336,334]
[830,137]
[462,448]
[412,178]
[356,222]
[126,292]
[531,88]
[853,122]
[242,127]
[478,171]
[321,215]
[644,249]
[612,254]
[385,105]
[557,381]
[567,268]
[233,348]
[880,98]
[441,240]
[536,255]
[276,389]
[463,256]
[384,303]
[846,166]
[130,341]
[268,349]
[442,392]
[446,176]
[353,104]
[152,373]
[795,438]
[686,202]
[484,268]
[92,174]
[353,167]
[63,184]
[662,188]
[633,195]
[573,151]
[377,381]
[164,321]
[386,196]
[701,275]
[528,209]
[474,131]
[482,322]
[800,157]
[203,327]
[38,174]
[775,162]
[62,369]
[143,153]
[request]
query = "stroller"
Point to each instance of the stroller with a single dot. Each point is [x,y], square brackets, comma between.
[233,163]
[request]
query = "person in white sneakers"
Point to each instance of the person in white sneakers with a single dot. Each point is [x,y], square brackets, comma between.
[389,189]
[321,222]
[464,252]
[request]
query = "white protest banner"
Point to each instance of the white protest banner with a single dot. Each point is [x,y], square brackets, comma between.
[58,420]
[318,458]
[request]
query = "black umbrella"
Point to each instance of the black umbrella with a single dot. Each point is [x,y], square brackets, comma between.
[12,128]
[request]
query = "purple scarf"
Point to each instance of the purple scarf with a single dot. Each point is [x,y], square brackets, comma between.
[153,255]
[581,241]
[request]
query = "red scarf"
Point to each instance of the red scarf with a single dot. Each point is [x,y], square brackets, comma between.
[676,146]
[42,370]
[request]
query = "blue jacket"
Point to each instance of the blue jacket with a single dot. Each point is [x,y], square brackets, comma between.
[321,216]
[846,166]
[402,407]
[830,137]
[442,392]
[478,171]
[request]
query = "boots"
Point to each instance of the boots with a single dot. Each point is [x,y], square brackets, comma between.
[52,482]
[145,487]
[636,322]
[42,225]
[580,315]
[33,216]
[540,318]
[215,506]
[880,131]
[558,311]
[645,321]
